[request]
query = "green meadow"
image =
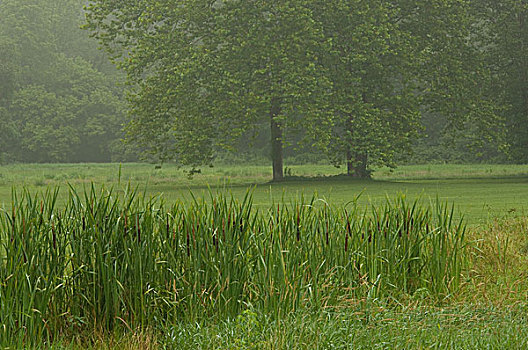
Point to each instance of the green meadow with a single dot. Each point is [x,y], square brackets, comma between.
[480,192]
[131,256]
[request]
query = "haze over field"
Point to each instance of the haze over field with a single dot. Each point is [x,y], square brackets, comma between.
[249,174]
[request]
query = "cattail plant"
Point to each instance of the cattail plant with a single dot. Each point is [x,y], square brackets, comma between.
[108,259]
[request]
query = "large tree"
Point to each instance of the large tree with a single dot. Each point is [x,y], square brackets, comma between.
[460,102]
[353,75]
[372,66]
[398,62]
[204,72]
[501,33]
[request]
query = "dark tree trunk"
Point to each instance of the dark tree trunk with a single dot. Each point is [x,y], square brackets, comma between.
[357,161]
[276,141]
[524,65]
[357,164]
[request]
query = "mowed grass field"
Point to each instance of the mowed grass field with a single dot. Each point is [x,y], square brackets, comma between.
[479,192]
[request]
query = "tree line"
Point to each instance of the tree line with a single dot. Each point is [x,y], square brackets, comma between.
[363,82]
[59,101]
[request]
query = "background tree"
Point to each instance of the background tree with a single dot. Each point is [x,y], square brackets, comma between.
[58,95]
[371,65]
[366,71]
[502,35]
[237,63]
[272,60]
[460,106]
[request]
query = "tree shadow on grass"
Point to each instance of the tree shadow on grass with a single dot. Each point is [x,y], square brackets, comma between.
[341,178]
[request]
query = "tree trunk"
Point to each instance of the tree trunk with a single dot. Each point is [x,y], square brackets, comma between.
[357,161]
[276,141]
[524,64]
[357,164]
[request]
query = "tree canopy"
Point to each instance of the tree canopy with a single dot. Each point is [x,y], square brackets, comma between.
[363,82]
[208,72]
[502,36]
[353,77]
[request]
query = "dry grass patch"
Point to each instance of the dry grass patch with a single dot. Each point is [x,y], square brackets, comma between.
[499,263]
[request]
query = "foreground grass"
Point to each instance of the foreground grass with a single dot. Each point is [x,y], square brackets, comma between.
[106,261]
[487,312]
[422,328]
[491,312]
[479,327]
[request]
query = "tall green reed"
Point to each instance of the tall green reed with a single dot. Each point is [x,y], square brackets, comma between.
[110,259]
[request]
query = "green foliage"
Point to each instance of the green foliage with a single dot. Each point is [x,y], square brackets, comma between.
[237,64]
[460,327]
[373,68]
[351,78]
[58,95]
[502,32]
[105,260]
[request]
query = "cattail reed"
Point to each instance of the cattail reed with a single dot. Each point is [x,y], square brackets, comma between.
[138,229]
[86,261]
[54,235]
[167,230]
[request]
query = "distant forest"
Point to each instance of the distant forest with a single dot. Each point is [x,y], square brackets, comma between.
[64,99]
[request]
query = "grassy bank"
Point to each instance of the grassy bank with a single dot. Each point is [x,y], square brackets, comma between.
[480,327]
